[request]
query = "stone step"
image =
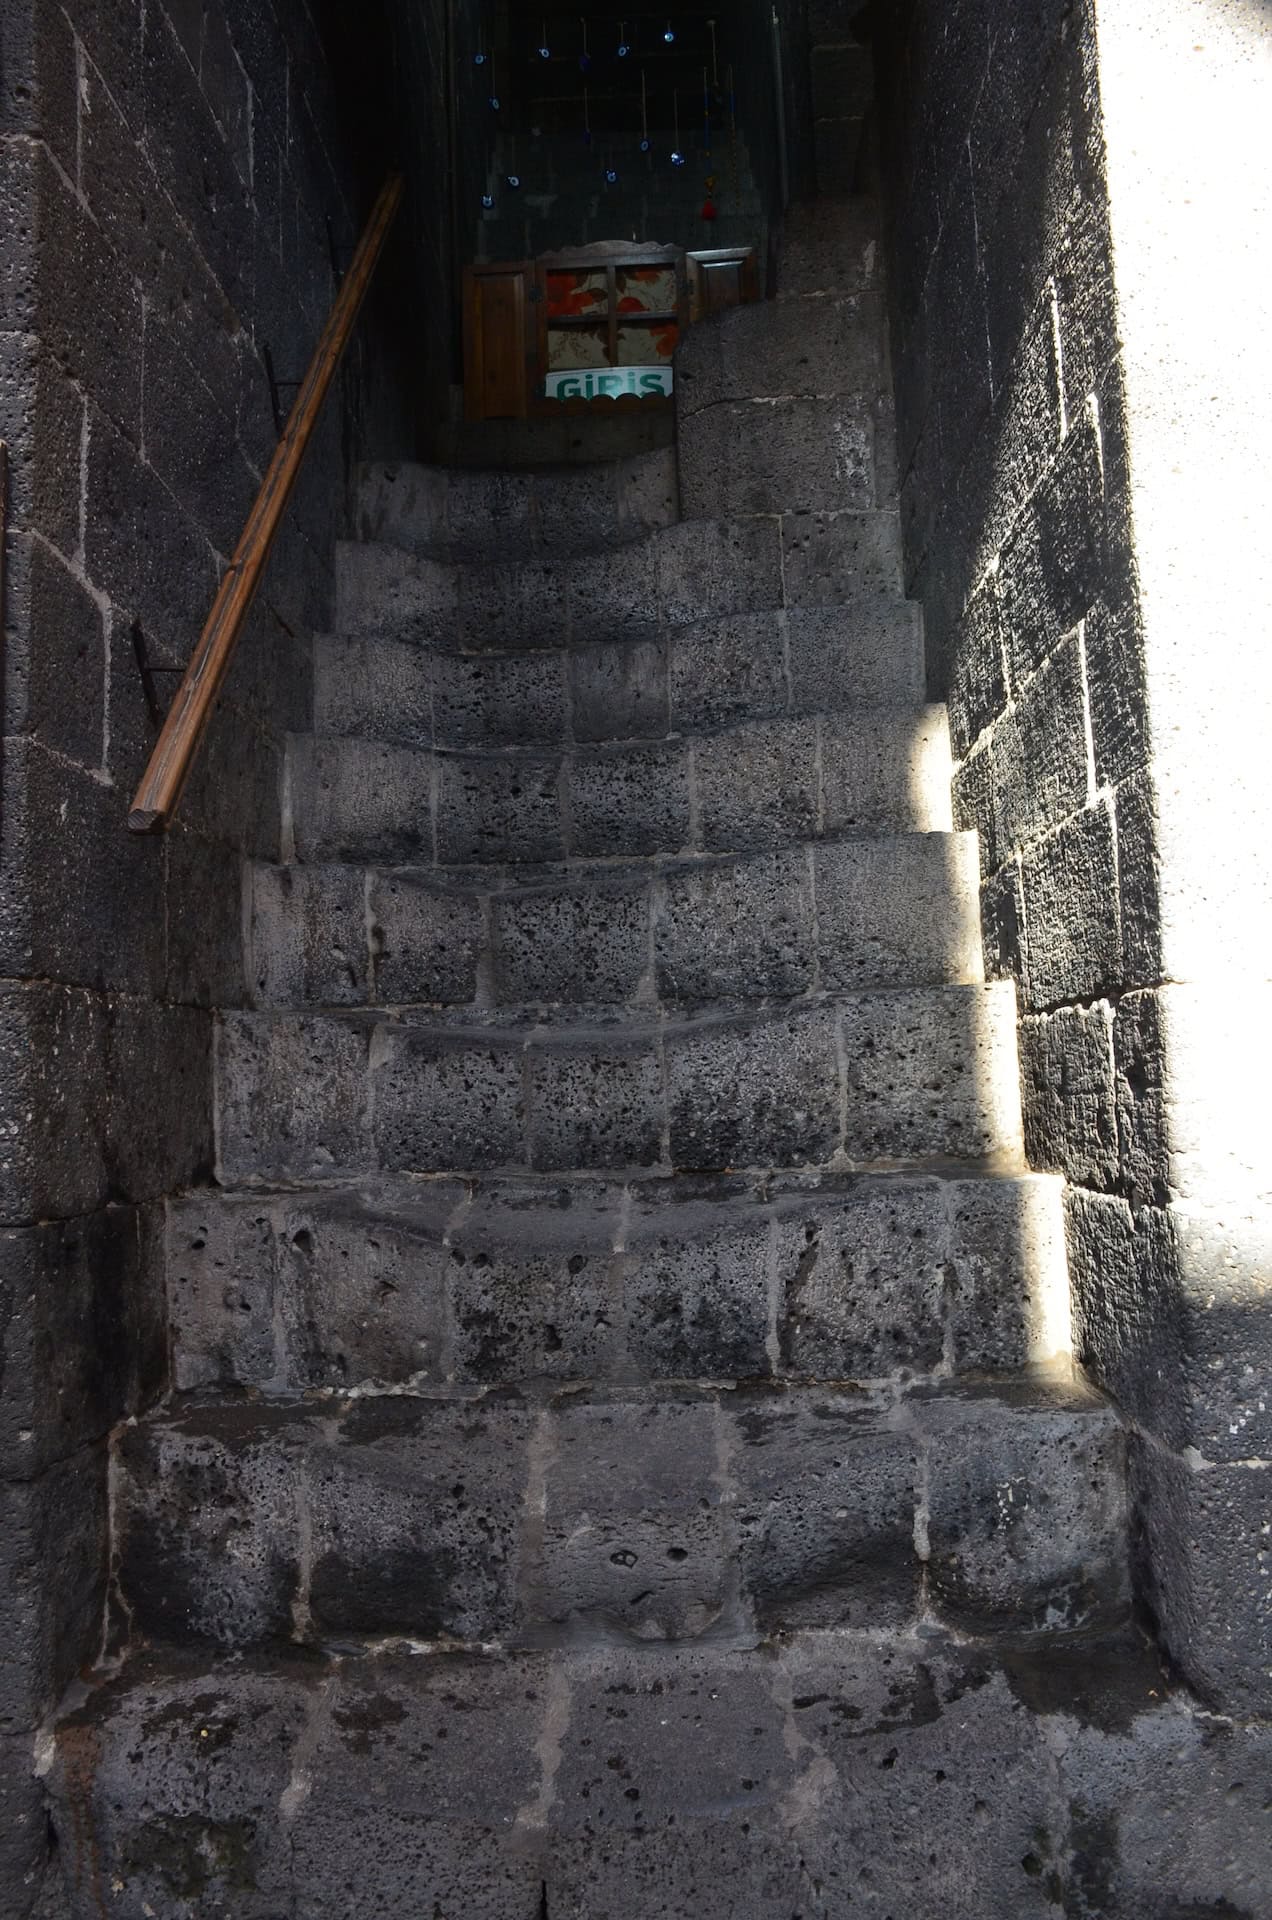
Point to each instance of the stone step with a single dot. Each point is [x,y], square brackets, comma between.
[830,246]
[869,1278]
[450,513]
[545,440]
[742,788]
[787,455]
[673,577]
[888,910]
[501,1517]
[817,1775]
[898,1078]
[745,666]
[835,345]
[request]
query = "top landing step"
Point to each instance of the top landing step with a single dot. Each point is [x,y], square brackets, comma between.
[462,514]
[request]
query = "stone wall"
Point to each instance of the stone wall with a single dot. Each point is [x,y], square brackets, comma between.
[1023,511]
[165,174]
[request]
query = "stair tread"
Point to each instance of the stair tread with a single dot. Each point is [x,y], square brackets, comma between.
[877,1076]
[494,1279]
[517,877]
[663,579]
[756,784]
[597,1211]
[655,1782]
[608,1023]
[672,1510]
[870,910]
[703,675]
[867,723]
[462,513]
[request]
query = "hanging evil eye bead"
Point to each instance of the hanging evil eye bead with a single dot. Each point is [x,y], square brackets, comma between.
[513,180]
[545,53]
[494,104]
[487,201]
[479,59]
[623,49]
[670,34]
[677,159]
[611,176]
[646,145]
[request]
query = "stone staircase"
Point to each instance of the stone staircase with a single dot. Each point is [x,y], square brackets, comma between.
[623,1454]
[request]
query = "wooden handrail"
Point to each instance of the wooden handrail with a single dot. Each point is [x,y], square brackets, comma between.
[188,717]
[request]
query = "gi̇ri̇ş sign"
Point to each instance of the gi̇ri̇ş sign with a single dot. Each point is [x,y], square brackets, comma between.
[607,383]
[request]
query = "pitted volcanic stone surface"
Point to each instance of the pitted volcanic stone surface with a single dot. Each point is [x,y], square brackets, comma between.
[862,1277]
[625,1348]
[815,1776]
[493,1516]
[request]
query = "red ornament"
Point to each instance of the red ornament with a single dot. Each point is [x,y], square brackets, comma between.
[708,210]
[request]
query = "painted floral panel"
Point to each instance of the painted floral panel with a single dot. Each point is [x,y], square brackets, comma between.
[572,296]
[577,347]
[648,346]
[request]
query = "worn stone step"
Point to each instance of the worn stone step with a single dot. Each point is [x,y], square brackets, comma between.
[697,570]
[817,347]
[748,787]
[887,910]
[546,440]
[817,1776]
[481,1517]
[919,1075]
[787,455]
[830,246]
[871,1278]
[457,513]
[786,407]
[745,666]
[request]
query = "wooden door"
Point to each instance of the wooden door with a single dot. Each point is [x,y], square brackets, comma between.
[721,277]
[496,341]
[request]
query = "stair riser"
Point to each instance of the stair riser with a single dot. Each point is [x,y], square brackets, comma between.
[871,1282]
[900,911]
[787,456]
[443,514]
[929,1073]
[746,789]
[684,574]
[831,247]
[748,667]
[827,347]
[502,1522]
